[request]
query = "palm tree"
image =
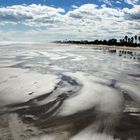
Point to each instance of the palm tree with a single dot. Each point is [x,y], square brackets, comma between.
[139,39]
[135,38]
[129,40]
[126,37]
[132,39]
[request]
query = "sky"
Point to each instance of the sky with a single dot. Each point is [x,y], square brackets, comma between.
[47,20]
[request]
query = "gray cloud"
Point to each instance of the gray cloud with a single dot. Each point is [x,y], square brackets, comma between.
[132,14]
[23,13]
[10,17]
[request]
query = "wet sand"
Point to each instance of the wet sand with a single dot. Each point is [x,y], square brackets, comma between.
[62,93]
[23,123]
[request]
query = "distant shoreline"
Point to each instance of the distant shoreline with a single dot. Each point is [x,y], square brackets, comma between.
[65,43]
[103,46]
[121,47]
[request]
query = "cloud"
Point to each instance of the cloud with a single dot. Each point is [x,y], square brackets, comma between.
[132,14]
[118,2]
[24,13]
[133,2]
[13,14]
[88,21]
[109,2]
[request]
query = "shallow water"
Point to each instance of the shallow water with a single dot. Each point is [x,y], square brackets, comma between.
[71,92]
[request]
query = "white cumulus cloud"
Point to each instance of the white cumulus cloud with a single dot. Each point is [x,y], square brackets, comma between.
[88,21]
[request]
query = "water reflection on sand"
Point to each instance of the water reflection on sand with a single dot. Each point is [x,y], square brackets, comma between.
[69,93]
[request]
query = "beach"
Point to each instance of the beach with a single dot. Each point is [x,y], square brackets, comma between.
[69,92]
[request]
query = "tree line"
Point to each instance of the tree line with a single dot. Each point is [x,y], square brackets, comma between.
[133,41]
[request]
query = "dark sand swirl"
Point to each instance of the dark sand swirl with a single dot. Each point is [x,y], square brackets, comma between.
[124,124]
